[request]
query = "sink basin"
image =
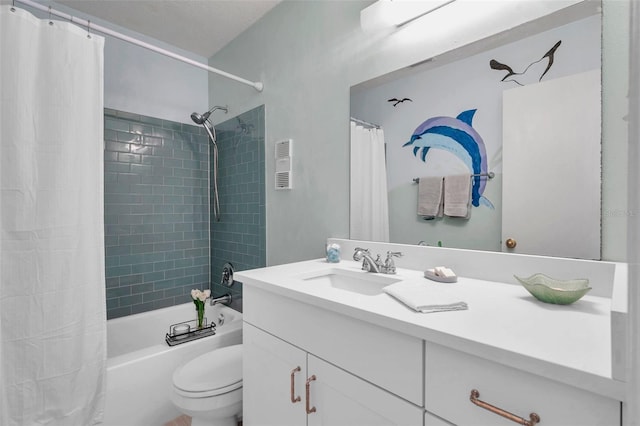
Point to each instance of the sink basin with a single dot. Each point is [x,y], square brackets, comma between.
[367,284]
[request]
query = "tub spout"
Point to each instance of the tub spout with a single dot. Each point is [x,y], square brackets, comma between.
[225,300]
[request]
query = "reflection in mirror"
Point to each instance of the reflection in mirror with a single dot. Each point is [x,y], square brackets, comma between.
[444,119]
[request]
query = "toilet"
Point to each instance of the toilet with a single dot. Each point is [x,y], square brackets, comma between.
[209,387]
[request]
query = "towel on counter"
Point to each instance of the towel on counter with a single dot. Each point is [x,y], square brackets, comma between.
[424,297]
[457,196]
[430,197]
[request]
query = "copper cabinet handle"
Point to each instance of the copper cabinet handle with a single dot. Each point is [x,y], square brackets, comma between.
[533,417]
[511,243]
[308,385]
[294,398]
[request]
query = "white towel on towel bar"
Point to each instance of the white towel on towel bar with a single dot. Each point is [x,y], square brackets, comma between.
[457,196]
[430,197]
[424,297]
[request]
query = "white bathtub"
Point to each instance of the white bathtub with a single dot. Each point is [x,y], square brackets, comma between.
[140,363]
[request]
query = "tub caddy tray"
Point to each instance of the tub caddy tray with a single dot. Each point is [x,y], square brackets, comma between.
[172,338]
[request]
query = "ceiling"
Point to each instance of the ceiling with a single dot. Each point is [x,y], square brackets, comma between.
[199,26]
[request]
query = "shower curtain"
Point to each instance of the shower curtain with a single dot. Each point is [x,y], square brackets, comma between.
[52,281]
[369,210]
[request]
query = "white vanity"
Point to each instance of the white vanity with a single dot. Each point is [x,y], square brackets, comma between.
[322,352]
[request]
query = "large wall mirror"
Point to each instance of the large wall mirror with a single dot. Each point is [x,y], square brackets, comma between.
[518,112]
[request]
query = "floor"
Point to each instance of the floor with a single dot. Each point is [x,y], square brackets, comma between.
[185,420]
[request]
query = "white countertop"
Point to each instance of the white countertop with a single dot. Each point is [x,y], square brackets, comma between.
[504,323]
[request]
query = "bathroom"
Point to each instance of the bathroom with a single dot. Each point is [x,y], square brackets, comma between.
[309,55]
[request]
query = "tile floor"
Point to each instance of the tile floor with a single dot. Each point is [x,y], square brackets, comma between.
[185,420]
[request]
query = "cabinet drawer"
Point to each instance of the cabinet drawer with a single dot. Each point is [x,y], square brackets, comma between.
[378,355]
[450,376]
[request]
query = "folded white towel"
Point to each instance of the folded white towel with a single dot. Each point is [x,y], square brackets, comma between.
[457,196]
[424,297]
[430,197]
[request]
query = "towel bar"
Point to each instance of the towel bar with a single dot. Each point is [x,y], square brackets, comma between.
[490,175]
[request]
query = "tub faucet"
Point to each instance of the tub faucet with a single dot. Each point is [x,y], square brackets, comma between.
[368,264]
[225,300]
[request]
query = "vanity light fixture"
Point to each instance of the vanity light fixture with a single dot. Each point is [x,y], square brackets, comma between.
[395,13]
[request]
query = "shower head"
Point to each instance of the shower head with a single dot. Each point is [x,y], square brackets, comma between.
[197,118]
[202,118]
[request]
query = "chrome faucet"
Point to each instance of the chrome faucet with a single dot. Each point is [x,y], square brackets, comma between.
[376,266]
[368,264]
[225,300]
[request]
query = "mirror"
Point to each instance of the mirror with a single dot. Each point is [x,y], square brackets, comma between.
[462,91]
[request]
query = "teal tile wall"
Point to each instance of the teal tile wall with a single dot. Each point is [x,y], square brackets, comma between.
[240,237]
[156,212]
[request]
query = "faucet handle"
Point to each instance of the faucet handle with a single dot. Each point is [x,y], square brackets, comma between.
[389,265]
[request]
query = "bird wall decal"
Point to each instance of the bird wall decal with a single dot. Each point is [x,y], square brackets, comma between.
[398,101]
[533,72]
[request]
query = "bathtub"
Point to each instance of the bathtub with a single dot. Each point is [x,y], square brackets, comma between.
[140,364]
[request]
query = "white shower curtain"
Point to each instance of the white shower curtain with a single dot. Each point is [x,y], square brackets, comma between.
[369,209]
[52,282]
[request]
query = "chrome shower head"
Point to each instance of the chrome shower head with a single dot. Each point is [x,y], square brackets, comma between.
[202,118]
[197,118]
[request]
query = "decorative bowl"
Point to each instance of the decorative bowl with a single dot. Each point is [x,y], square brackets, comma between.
[559,292]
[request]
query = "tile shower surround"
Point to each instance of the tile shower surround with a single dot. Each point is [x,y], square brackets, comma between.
[156,213]
[240,236]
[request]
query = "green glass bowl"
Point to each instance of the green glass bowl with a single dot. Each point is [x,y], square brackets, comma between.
[558,292]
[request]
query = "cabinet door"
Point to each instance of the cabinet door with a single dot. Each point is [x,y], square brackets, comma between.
[268,365]
[341,399]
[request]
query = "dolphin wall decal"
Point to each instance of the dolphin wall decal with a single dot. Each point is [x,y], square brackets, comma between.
[457,136]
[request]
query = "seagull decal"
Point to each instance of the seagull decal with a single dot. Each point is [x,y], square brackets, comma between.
[457,136]
[532,73]
[398,101]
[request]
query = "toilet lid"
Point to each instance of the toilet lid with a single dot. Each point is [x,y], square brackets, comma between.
[214,373]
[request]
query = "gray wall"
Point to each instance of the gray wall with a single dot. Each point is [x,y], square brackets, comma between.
[308,54]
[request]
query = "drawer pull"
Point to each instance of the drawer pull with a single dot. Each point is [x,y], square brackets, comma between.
[294,398]
[533,417]
[308,385]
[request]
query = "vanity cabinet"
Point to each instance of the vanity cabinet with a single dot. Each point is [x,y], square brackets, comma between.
[367,360]
[451,376]
[287,386]
[357,374]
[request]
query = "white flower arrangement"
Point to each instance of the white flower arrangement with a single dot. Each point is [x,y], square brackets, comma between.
[199,298]
[200,295]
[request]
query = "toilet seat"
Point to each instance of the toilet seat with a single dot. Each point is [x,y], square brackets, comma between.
[215,373]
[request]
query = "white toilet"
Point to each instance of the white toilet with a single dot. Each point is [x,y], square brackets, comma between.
[209,387]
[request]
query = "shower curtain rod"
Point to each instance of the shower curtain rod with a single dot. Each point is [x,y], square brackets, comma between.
[94,27]
[364,123]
